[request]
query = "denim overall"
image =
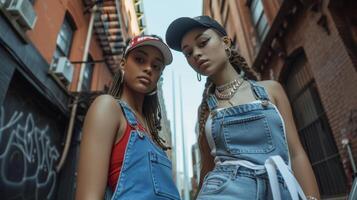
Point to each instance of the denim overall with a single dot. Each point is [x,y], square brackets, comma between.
[251,152]
[146,171]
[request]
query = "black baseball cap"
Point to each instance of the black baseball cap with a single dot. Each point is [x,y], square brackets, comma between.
[179,27]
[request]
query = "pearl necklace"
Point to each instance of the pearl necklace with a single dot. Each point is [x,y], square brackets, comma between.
[232,86]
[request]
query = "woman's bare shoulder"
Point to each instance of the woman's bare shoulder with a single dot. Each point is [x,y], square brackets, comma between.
[274,88]
[105,101]
[269,83]
[105,106]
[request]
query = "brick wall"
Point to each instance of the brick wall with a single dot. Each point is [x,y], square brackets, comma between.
[331,65]
[51,15]
[329,53]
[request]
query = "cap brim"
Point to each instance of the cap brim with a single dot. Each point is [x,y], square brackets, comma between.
[177,29]
[163,48]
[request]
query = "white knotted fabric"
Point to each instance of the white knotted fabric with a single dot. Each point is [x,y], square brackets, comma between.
[271,166]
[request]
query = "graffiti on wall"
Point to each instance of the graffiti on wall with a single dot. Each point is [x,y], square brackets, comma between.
[27,157]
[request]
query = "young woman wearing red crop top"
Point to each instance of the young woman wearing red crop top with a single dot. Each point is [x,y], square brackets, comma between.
[128,118]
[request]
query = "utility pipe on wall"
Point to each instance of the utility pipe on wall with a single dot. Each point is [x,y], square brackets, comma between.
[79,87]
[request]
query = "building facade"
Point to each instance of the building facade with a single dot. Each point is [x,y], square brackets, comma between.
[165,132]
[196,168]
[55,58]
[310,47]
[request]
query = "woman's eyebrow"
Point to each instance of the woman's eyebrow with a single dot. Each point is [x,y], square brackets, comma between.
[143,52]
[159,59]
[146,54]
[197,36]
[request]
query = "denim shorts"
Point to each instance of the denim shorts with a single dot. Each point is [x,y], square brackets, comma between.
[230,182]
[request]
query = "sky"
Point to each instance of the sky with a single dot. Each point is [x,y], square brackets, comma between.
[159,14]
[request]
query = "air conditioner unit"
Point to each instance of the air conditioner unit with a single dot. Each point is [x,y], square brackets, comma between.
[24,12]
[63,68]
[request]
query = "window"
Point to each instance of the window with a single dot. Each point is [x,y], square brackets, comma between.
[314,129]
[259,19]
[64,38]
[87,75]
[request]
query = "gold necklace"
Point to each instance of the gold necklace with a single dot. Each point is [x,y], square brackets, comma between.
[232,86]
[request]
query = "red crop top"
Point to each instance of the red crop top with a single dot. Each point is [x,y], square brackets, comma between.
[117,156]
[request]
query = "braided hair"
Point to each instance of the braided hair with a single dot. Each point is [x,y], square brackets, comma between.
[151,105]
[240,65]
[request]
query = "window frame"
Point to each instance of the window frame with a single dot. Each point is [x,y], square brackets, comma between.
[257,19]
[67,22]
[314,129]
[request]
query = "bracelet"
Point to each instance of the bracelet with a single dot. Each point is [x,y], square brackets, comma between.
[311,198]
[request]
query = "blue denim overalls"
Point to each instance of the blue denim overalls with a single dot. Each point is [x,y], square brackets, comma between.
[146,171]
[251,152]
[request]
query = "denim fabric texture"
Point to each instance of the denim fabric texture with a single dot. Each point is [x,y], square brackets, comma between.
[250,132]
[146,171]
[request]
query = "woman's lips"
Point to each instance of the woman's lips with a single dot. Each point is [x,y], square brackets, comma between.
[144,80]
[203,64]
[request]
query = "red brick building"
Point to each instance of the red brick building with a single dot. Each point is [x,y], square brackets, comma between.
[310,47]
[42,104]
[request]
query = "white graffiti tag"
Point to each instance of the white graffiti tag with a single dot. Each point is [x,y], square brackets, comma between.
[27,158]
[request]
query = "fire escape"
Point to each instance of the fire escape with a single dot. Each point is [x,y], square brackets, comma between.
[105,24]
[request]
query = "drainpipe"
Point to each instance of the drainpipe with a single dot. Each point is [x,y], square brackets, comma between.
[345,140]
[76,98]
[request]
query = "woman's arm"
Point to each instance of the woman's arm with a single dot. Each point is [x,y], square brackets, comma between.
[207,162]
[299,160]
[206,159]
[100,126]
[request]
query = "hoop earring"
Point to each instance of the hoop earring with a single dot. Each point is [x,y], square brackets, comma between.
[152,93]
[199,78]
[228,52]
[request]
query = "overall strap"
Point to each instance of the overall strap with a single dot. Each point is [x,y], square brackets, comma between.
[212,102]
[128,113]
[259,91]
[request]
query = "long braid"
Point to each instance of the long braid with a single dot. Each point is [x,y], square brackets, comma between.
[116,87]
[118,79]
[151,105]
[239,63]
[152,113]
[203,112]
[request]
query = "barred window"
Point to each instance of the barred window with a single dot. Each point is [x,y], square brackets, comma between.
[259,19]
[313,128]
[64,38]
